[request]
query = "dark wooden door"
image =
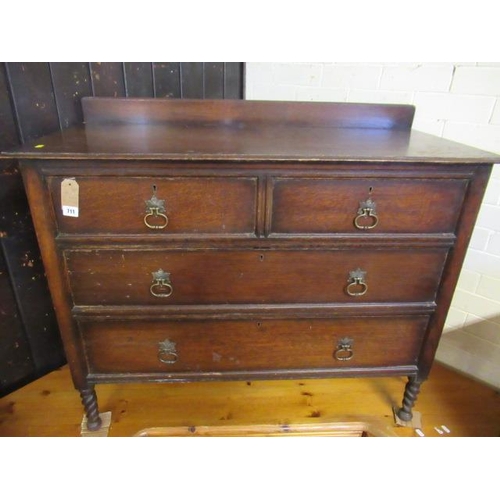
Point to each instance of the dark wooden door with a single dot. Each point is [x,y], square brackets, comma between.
[39,98]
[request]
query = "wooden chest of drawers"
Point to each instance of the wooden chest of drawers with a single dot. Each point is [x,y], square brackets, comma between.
[250,240]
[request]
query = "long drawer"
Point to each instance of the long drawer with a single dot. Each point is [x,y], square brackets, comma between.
[366,205]
[215,346]
[181,205]
[154,277]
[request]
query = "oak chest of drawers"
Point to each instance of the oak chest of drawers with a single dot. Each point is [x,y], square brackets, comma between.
[216,240]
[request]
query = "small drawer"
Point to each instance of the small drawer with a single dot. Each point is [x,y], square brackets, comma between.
[365,206]
[151,277]
[218,346]
[163,205]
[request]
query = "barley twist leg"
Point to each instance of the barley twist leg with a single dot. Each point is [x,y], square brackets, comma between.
[410,396]
[89,401]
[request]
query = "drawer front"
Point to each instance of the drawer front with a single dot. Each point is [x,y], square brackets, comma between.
[204,346]
[113,277]
[204,205]
[342,206]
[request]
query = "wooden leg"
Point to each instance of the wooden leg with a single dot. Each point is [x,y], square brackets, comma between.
[89,401]
[410,396]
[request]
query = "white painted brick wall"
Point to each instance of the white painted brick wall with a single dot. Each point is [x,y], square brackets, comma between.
[484,136]
[493,244]
[382,96]
[495,118]
[454,107]
[476,80]
[420,77]
[351,76]
[297,74]
[459,101]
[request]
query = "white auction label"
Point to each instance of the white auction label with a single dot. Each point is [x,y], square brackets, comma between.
[69,197]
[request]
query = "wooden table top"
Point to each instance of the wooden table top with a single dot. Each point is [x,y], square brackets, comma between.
[248,143]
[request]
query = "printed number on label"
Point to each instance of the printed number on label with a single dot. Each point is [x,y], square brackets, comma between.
[70,211]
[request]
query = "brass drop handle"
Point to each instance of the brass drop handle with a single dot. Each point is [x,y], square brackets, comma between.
[344,350]
[367,210]
[357,285]
[167,352]
[161,286]
[155,208]
[155,212]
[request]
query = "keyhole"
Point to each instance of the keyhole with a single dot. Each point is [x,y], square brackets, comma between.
[154,188]
[370,190]
[261,257]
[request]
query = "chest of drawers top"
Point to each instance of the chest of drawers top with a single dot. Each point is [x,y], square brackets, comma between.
[247,131]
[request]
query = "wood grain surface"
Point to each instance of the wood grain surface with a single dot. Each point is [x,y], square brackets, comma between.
[200,205]
[331,205]
[243,143]
[51,407]
[218,346]
[124,277]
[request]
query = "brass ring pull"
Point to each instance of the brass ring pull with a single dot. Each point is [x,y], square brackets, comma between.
[155,208]
[367,209]
[344,351]
[357,285]
[155,212]
[161,282]
[167,352]
[367,212]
